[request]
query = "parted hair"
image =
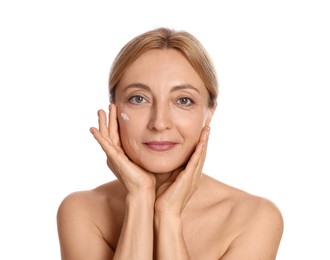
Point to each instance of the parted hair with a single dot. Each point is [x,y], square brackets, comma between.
[164,38]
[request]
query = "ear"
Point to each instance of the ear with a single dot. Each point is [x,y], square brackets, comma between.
[209,114]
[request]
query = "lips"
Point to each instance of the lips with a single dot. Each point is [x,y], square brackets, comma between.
[160,146]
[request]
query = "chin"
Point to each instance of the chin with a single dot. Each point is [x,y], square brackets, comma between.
[161,167]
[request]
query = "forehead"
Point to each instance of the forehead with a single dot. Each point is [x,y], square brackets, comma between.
[162,68]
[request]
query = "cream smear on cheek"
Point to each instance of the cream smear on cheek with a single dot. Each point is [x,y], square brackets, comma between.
[124,116]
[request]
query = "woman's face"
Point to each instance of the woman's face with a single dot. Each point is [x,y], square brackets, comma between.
[162,107]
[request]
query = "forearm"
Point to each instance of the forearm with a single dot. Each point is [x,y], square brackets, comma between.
[136,238]
[170,242]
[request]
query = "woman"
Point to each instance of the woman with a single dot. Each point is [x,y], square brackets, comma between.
[163,95]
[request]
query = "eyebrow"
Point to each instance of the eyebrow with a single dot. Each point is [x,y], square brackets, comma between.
[137,85]
[184,86]
[175,88]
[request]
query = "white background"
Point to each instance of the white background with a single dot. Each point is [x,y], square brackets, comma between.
[270,134]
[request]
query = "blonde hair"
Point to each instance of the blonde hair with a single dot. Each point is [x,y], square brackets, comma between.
[163,38]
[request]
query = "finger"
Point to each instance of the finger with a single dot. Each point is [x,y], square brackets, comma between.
[199,154]
[200,165]
[196,158]
[196,163]
[189,178]
[109,150]
[204,134]
[103,123]
[204,140]
[103,142]
[113,125]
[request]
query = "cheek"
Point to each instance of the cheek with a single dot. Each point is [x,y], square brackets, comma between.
[127,128]
[127,136]
[131,127]
[190,127]
[189,118]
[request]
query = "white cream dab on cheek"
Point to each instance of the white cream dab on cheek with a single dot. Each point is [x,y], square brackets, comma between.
[124,116]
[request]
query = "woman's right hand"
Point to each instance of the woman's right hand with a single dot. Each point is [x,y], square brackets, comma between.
[132,176]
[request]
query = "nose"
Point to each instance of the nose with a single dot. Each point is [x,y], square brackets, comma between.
[160,118]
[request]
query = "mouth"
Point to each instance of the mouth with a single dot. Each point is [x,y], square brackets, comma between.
[160,146]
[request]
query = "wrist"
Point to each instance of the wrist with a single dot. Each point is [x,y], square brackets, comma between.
[167,219]
[141,197]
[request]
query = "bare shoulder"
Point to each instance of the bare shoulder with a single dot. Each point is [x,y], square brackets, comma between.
[261,231]
[243,203]
[254,223]
[83,220]
[80,203]
[254,209]
[262,219]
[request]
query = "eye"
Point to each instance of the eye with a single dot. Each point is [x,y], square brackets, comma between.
[185,101]
[137,100]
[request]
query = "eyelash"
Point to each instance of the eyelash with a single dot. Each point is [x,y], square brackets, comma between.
[190,101]
[133,100]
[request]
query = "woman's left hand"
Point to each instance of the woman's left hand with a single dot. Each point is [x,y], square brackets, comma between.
[173,195]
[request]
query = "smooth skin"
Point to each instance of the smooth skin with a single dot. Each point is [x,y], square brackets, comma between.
[162,206]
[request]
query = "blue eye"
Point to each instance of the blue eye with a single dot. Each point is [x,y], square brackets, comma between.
[185,101]
[137,100]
